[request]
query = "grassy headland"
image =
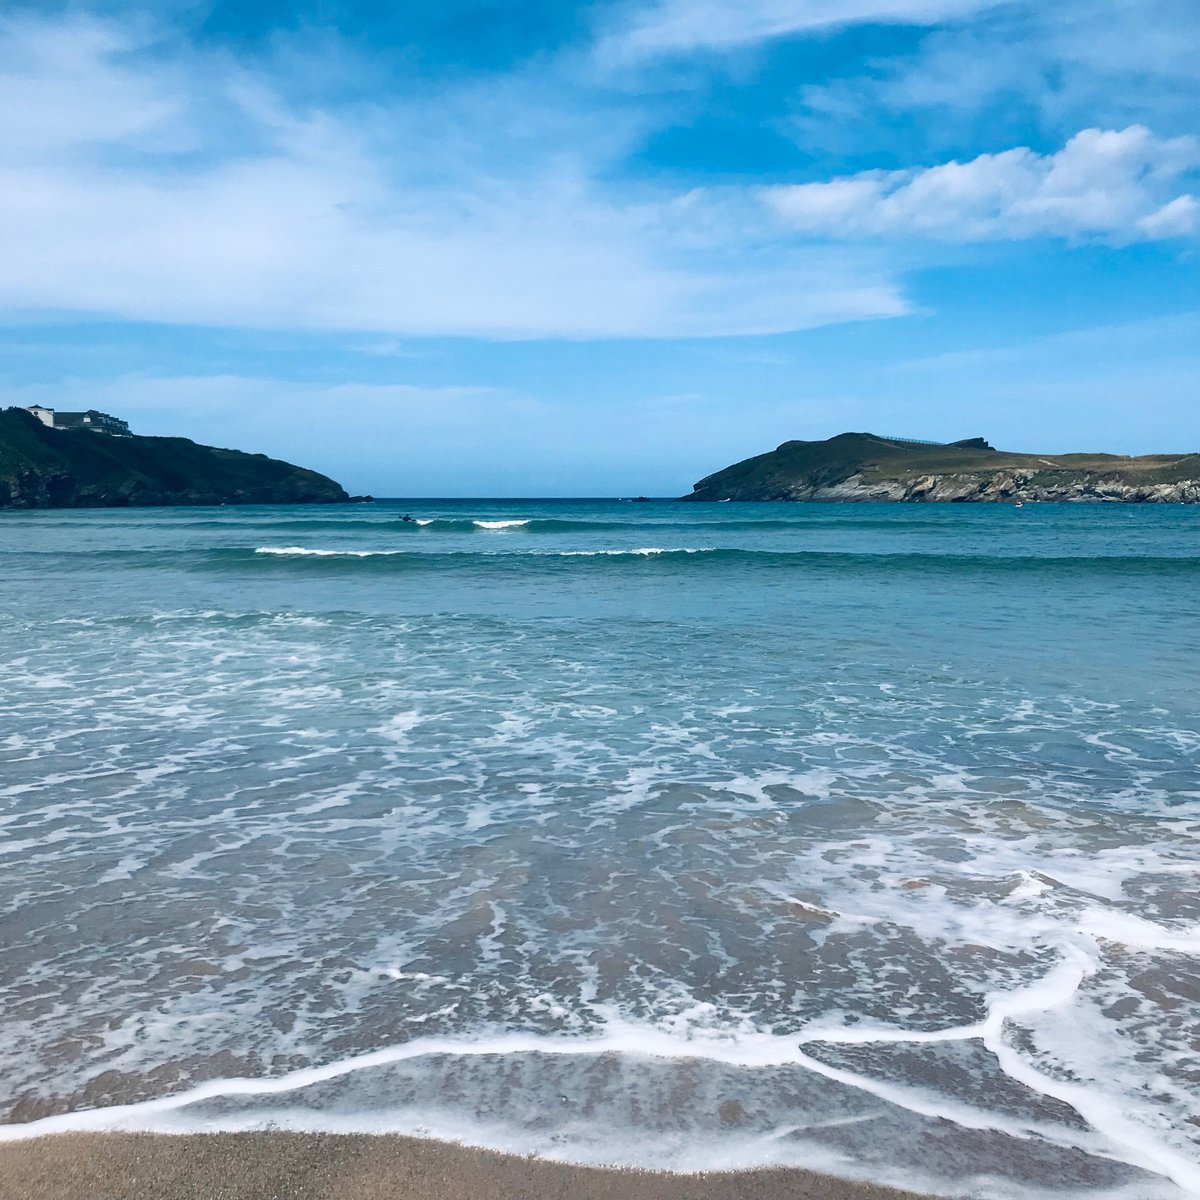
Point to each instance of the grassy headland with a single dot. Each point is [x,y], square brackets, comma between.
[865,466]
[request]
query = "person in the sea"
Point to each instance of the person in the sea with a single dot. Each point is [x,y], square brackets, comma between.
[407,518]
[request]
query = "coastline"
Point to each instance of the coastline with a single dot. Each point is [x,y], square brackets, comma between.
[322,1166]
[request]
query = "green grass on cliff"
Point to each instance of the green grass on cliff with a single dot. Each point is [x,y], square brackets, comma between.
[877,458]
[74,467]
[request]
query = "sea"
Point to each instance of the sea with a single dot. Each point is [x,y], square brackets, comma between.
[860,838]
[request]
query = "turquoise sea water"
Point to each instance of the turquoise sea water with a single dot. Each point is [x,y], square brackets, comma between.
[860,837]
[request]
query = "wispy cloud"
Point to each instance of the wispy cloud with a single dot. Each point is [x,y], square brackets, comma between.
[1173,340]
[680,26]
[1121,186]
[146,181]
[148,176]
[1021,68]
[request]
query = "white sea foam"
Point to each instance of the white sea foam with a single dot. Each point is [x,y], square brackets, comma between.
[683,1041]
[688,861]
[124,869]
[497,525]
[306,552]
[642,551]
[399,726]
[1131,930]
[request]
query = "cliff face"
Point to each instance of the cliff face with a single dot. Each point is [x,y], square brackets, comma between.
[862,466]
[66,468]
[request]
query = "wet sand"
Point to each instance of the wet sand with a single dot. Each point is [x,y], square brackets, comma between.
[305,1166]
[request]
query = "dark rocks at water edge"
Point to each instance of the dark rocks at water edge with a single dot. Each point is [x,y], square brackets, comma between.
[865,466]
[42,467]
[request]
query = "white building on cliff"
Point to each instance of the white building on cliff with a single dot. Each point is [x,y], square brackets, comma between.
[97,422]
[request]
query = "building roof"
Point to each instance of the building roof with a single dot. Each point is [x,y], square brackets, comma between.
[89,419]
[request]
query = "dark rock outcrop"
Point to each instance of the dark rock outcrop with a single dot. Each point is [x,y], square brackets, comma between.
[67,468]
[863,466]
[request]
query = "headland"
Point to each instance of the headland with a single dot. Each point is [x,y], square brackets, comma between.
[866,466]
[90,460]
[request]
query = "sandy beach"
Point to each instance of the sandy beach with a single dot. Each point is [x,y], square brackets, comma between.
[304,1166]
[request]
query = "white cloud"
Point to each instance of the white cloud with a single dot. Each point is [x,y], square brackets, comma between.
[1177,218]
[1120,186]
[1051,67]
[675,26]
[156,182]
[59,90]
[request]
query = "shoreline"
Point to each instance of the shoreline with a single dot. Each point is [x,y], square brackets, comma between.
[277,1165]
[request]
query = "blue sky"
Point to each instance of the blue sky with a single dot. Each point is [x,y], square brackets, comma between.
[465,247]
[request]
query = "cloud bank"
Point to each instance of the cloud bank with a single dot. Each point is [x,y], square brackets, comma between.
[148,175]
[1118,186]
[149,182]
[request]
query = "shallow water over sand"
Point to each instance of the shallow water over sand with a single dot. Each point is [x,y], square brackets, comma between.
[857,837]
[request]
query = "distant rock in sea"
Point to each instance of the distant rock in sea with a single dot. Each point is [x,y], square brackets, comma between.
[42,466]
[865,466]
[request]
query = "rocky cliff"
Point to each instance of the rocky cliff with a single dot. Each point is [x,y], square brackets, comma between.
[864,466]
[76,468]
